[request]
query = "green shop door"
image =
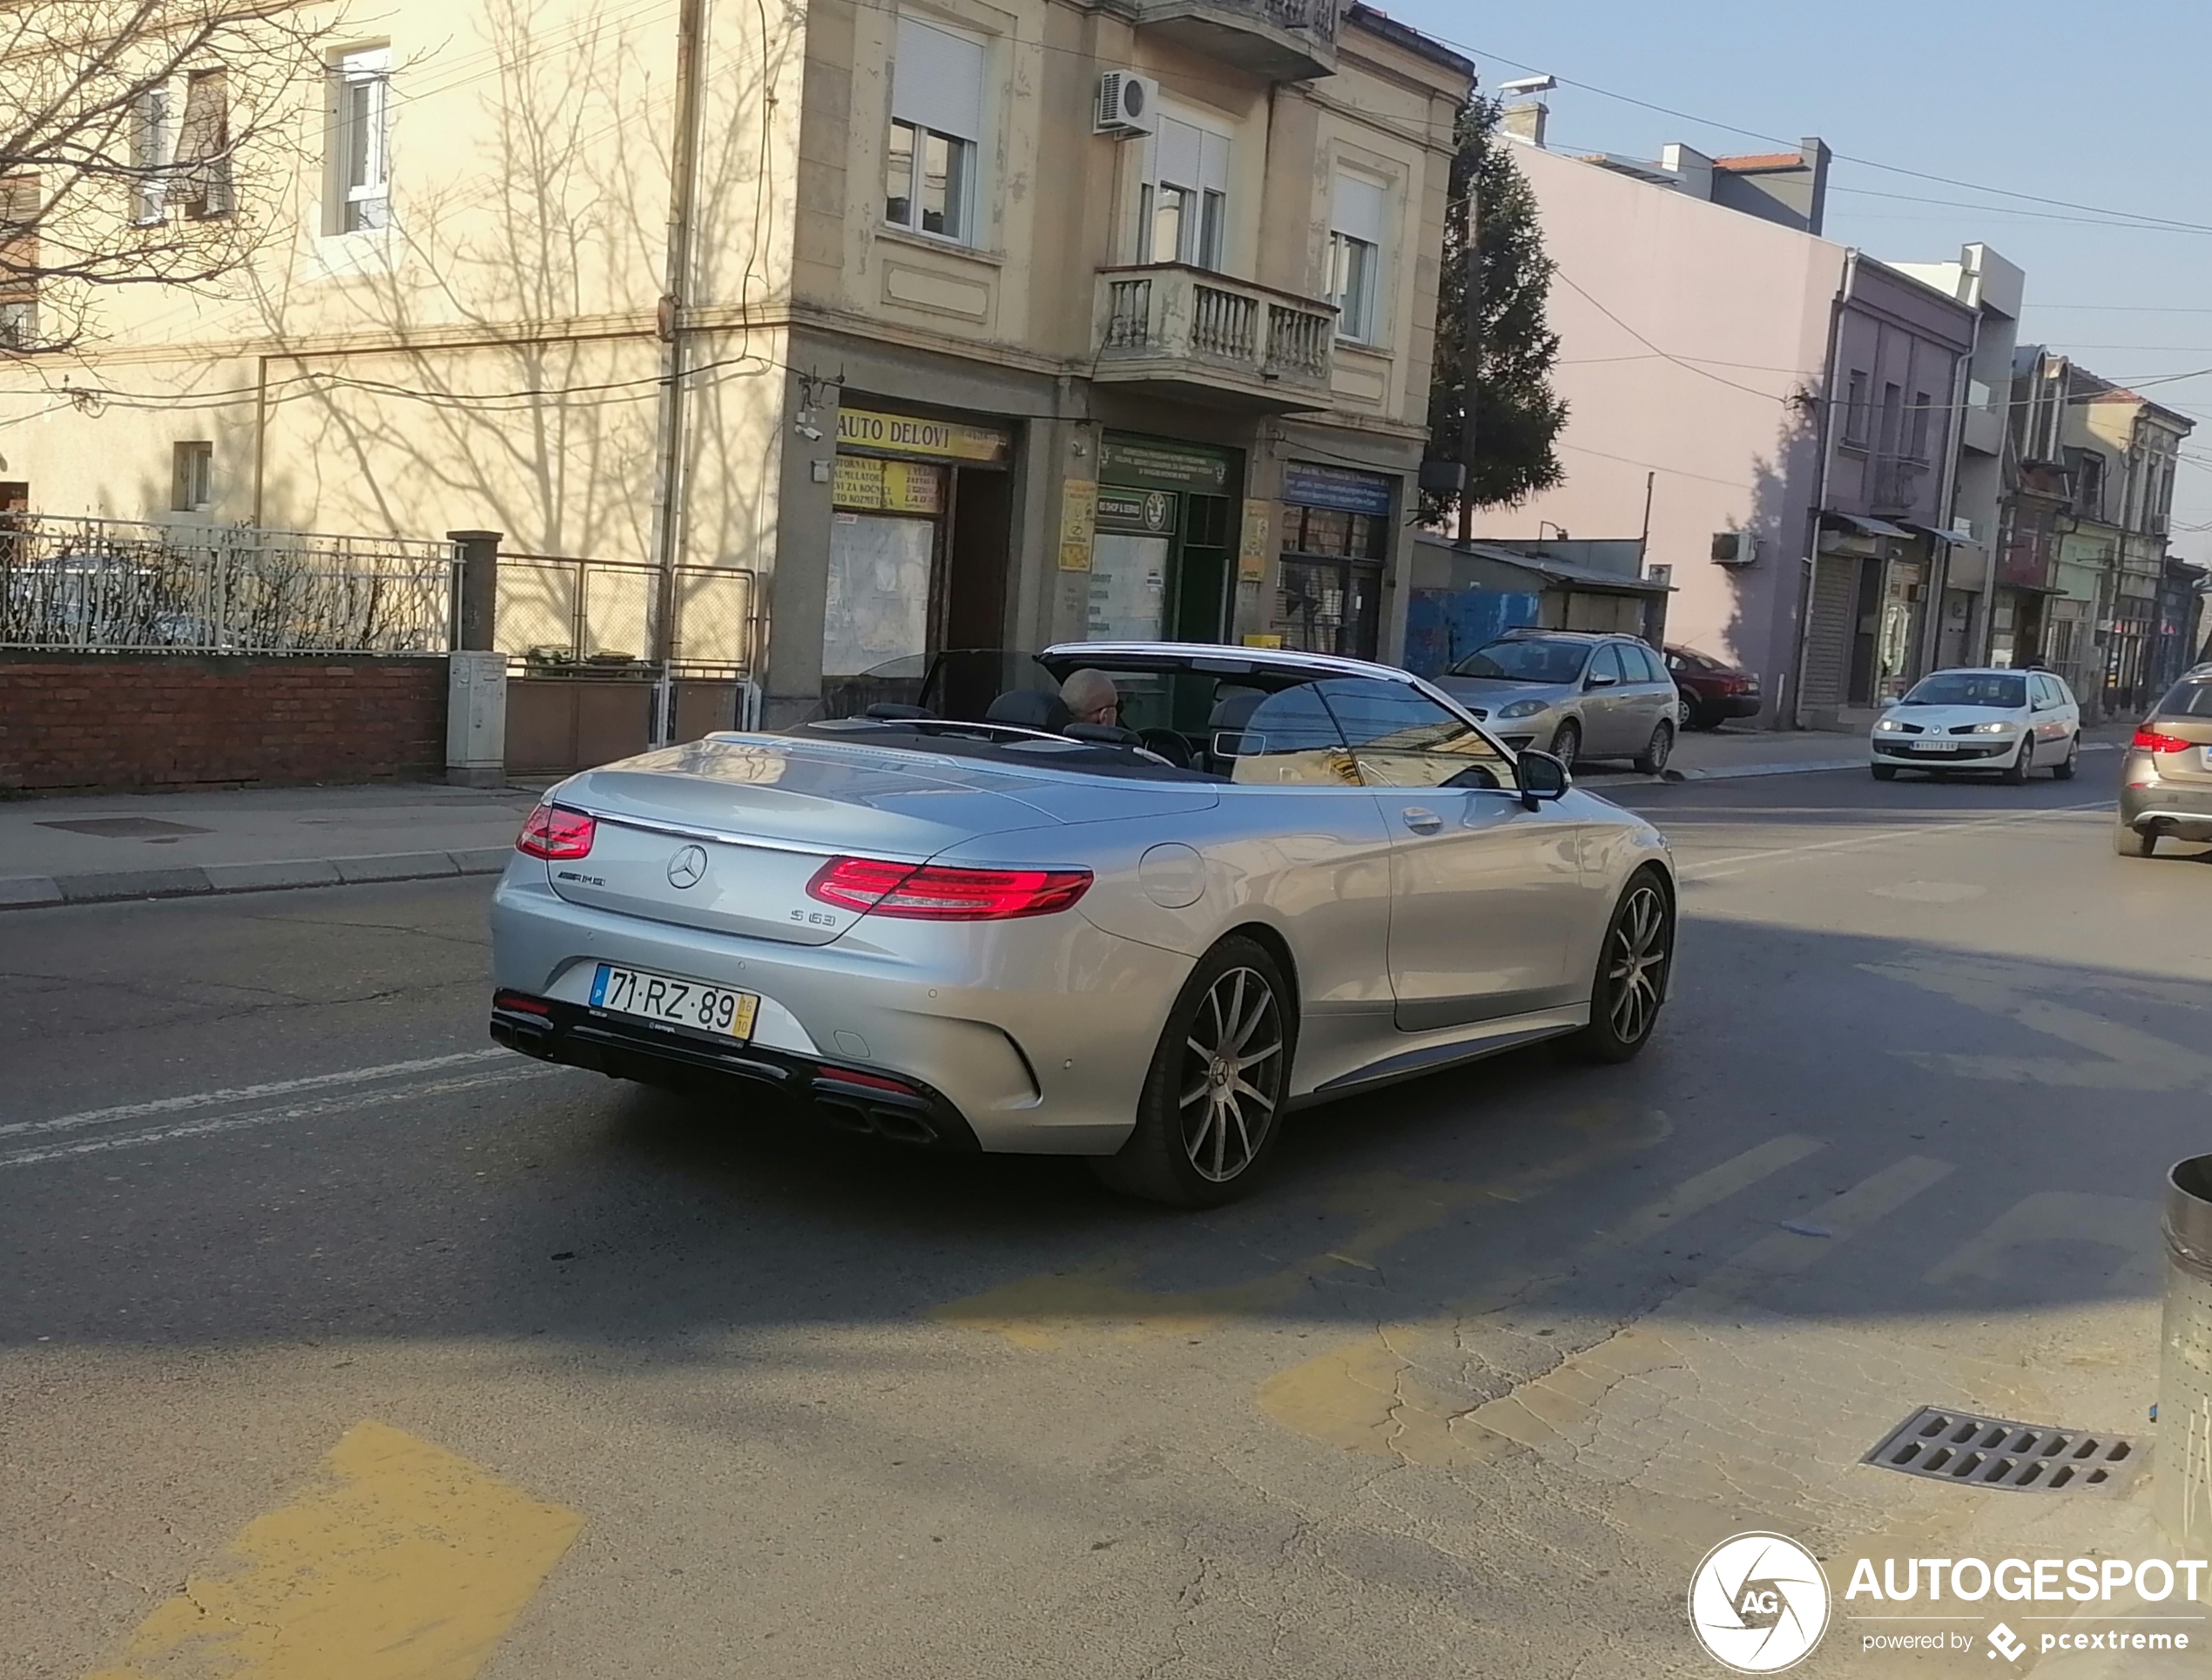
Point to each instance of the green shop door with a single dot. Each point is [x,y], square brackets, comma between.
[1167,538]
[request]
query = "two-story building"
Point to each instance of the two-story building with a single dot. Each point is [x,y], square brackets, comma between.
[947,323]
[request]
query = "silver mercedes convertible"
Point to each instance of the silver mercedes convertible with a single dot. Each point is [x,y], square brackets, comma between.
[947,909]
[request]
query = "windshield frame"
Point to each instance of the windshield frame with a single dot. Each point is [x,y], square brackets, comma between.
[1589,650]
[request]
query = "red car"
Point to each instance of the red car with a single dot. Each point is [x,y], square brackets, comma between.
[1712,691]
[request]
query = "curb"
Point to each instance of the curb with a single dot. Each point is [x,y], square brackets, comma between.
[1719,773]
[35,892]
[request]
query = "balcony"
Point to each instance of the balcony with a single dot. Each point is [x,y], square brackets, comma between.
[1201,337]
[1282,40]
[1896,484]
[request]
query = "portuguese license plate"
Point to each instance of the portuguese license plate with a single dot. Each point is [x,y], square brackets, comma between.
[677,1003]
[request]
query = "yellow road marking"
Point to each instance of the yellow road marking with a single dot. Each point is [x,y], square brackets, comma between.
[1368,1396]
[1107,1295]
[398,1561]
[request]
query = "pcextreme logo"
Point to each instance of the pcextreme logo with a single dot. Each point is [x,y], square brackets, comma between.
[1758,1604]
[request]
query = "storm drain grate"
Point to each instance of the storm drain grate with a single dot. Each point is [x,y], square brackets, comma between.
[1979,1452]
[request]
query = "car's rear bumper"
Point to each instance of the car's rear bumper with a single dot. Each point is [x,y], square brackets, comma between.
[1037,1034]
[856,1099]
[1726,705]
[2181,809]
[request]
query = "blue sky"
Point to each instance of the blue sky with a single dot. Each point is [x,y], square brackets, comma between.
[2096,106]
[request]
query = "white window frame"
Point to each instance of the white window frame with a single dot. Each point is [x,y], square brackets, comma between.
[153,138]
[933,103]
[1202,221]
[1358,235]
[363,206]
[192,475]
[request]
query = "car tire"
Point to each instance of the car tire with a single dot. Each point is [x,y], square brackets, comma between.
[1193,1145]
[1884,772]
[1653,759]
[1567,743]
[2134,842]
[2015,773]
[1630,981]
[2064,772]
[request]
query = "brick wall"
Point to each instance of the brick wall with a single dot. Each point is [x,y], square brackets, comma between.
[87,721]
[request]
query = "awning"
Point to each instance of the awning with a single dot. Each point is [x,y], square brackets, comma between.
[1940,534]
[1865,526]
[1567,573]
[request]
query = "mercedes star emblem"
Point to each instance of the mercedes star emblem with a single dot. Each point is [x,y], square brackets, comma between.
[687,868]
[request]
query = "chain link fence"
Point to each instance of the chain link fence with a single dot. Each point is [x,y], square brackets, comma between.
[124,586]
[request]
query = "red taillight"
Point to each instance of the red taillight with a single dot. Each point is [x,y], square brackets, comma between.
[521,1002]
[874,1082]
[2151,741]
[937,893]
[551,832]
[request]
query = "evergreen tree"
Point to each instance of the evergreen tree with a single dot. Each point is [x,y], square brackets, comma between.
[1517,417]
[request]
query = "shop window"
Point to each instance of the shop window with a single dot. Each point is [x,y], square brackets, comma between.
[1355,257]
[936,124]
[1183,213]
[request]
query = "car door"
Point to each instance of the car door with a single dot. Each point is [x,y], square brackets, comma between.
[1484,891]
[1650,693]
[1601,727]
[2047,717]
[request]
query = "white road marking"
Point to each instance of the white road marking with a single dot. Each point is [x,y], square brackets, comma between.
[349,1102]
[1728,864]
[251,1093]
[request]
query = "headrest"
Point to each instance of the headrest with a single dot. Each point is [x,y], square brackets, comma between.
[1234,710]
[1030,708]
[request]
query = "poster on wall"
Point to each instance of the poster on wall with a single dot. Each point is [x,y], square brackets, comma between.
[1252,546]
[1078,518]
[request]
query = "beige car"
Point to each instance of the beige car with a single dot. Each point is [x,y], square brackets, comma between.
[2165,787]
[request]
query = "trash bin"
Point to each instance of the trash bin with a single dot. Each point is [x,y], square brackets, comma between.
[2182,1496]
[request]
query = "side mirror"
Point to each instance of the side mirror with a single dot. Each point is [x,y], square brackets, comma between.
[1600,679]
[1540,777]
[1886,702]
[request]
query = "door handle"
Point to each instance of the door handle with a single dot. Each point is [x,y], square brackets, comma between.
[1421,821]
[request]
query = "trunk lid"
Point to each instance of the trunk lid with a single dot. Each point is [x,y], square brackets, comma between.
[724,835]
[2194,765]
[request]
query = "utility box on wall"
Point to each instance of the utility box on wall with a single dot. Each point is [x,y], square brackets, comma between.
[476,719]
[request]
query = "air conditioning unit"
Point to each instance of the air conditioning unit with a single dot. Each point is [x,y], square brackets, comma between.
[1127,104]
[1735,548]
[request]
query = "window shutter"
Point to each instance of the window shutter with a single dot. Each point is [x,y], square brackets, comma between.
[1176,152]
[938,81]
[19,240]
[203,143]
[1360,209]
[150,155]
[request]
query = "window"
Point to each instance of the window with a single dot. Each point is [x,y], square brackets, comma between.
[1286,739]
[2088,483]
[1402,739]
[1855,415]
[1182,211]
[18,261]
[201,180]
[936,122]
[361,186]
[1892,416]
[151,150]
[1923,406]
[1642,665]
[192,477]
[1355,257]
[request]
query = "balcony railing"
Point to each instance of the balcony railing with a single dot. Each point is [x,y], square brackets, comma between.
[1284,40]
[1213,339]
[1897,483]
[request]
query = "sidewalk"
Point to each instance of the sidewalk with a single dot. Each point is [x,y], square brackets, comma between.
[74,851]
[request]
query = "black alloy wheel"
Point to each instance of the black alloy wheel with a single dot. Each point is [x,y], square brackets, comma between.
[1212,1103]
[1631,979]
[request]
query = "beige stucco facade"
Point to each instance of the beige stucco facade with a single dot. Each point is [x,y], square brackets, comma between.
[492,357]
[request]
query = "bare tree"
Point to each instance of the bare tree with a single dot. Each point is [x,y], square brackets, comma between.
[141,142]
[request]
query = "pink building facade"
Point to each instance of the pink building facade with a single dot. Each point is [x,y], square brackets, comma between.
[1696,348]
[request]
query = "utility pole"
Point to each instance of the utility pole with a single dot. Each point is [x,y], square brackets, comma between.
[1470,354]
[668,497]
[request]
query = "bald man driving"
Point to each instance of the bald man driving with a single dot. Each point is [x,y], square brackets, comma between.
[1091,698]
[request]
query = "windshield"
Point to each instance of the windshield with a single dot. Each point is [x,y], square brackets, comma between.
[1996,689]
[1530,660]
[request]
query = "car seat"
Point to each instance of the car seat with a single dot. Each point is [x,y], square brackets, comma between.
[1030,708]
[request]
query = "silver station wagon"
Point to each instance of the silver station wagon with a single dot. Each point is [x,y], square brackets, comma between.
[1129,901]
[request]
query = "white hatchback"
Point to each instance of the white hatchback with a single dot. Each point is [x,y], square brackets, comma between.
[1985,718]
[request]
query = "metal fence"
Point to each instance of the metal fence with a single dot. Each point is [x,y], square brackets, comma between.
[123,586]
[561,615]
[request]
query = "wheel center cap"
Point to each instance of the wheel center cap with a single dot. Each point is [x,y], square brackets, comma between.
[1219,1072]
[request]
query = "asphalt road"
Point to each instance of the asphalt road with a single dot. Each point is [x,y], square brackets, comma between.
[287,1259]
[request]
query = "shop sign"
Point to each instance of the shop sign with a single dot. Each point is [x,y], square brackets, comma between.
[1163,466]
[1252,546]
[1078,518]
[862,429]
[1143,513]
[888,486]
[1308,485]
